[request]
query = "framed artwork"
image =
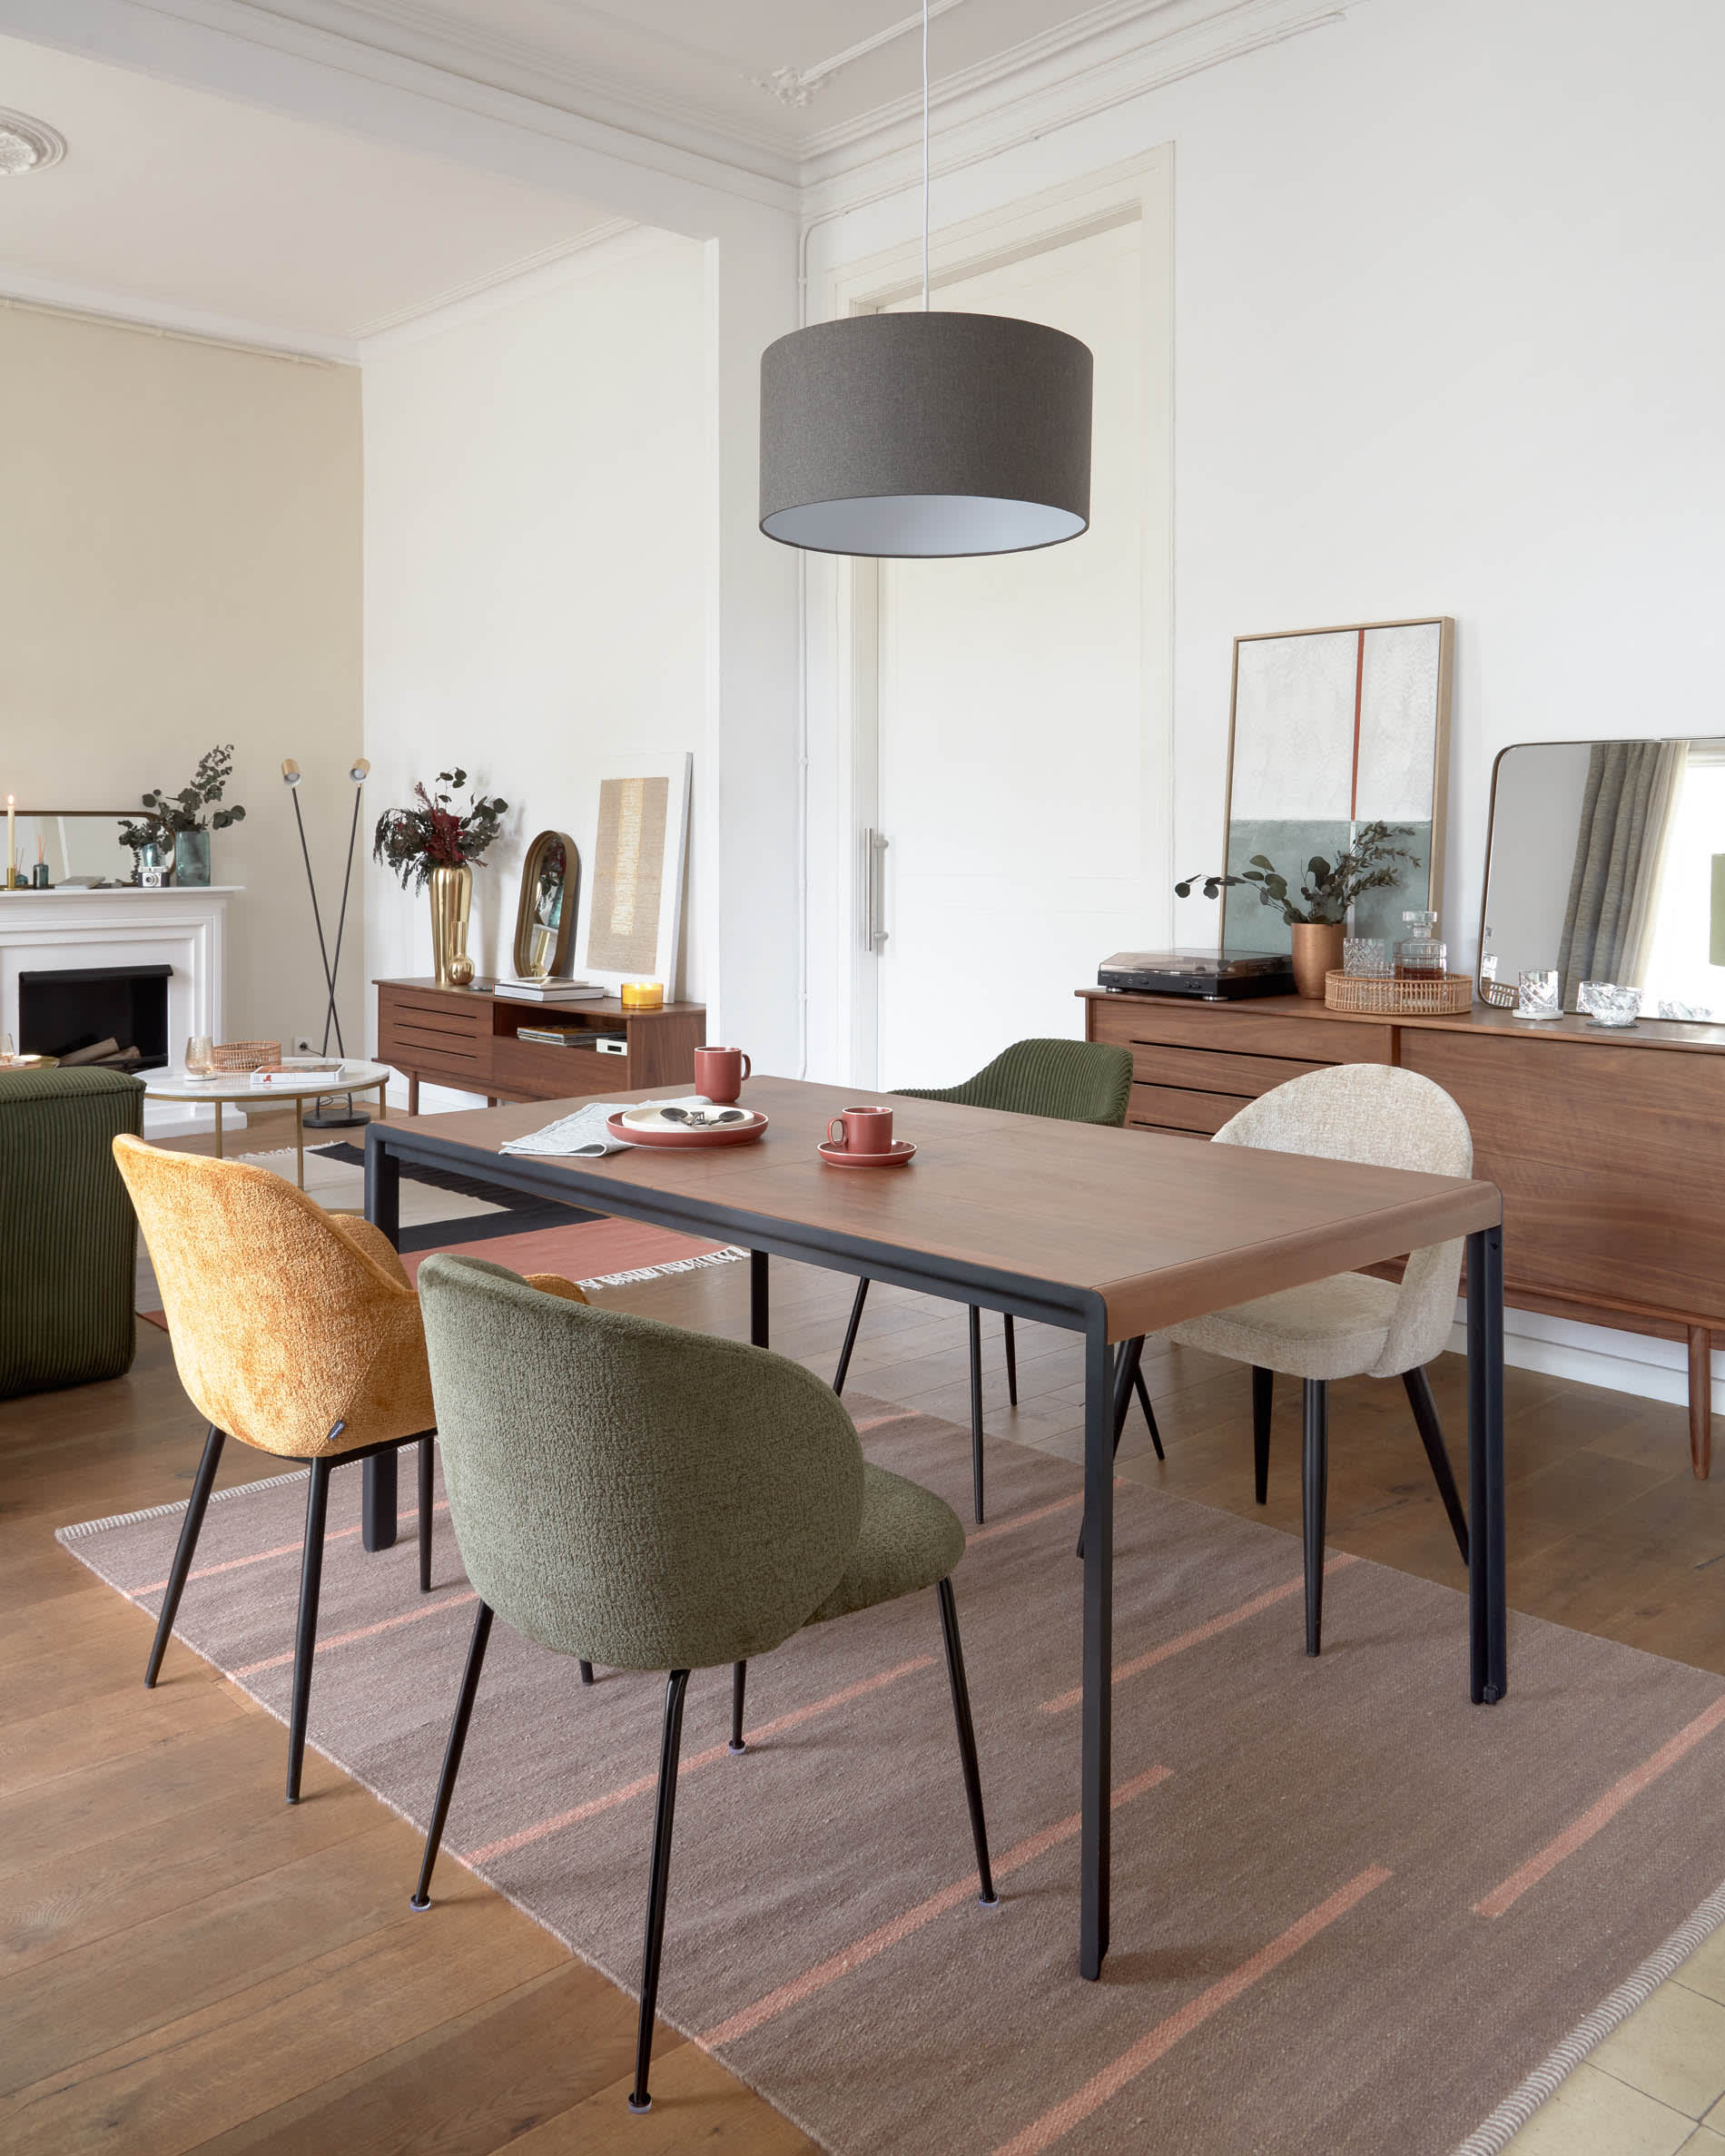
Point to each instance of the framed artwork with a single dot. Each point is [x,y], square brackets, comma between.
[1330,729]
[635,892]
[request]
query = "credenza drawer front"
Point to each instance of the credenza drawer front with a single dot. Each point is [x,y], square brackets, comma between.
[420,1045]
[544,1073]
[1136,1022]
[459,1021]
[1175,1107]
[1612,1162]
[1206,1070]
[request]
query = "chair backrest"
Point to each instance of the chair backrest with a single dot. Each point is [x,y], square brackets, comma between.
[1075,1081]
[628,1492]
[1381,1118]
[277,1319]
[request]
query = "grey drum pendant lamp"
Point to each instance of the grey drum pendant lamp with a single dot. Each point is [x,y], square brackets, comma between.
[925,434]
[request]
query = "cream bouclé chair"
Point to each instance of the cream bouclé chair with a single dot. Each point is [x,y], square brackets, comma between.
[1351,1324]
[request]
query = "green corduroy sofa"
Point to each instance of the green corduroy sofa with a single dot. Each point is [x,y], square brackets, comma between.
[68,1235]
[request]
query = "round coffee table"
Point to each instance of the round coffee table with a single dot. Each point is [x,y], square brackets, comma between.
[235,1086]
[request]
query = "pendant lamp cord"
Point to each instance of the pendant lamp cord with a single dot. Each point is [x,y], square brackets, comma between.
[925,156]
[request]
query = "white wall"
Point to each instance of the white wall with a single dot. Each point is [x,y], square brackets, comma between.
[1447,307]
[536,555]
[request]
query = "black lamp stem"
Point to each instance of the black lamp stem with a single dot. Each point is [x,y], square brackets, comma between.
[333,1016]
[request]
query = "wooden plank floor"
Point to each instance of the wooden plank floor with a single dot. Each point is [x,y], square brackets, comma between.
[187,1964]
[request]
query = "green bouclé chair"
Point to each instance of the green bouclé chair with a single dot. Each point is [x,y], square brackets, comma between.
[68,1235]
[1072,1081]
[628,1493]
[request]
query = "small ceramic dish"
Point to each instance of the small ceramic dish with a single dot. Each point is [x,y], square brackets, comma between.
[895,1156]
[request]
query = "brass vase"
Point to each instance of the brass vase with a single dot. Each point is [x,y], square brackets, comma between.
[1317,951]
[451,891]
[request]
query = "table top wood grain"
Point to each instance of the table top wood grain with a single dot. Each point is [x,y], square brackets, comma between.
[1160,1228]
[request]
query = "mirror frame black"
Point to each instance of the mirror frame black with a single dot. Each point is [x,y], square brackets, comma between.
[526,912]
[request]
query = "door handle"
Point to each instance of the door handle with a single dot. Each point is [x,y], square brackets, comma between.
[874,848]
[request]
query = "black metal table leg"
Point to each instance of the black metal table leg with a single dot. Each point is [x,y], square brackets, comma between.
[1488,1584]
[383,1209]
[758,1323]
[1099,1646]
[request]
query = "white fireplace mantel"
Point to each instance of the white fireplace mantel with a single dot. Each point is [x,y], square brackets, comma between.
[183,927]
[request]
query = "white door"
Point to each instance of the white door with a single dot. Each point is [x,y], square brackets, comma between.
[1021,791]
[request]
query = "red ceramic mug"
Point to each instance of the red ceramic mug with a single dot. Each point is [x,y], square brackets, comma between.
[862,1130]
[719,1074]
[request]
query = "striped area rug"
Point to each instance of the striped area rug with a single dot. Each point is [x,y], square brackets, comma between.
[1351,1912]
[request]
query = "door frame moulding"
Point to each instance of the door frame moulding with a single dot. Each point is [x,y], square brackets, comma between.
[841,655]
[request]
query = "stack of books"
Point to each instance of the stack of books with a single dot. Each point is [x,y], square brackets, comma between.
[548,991]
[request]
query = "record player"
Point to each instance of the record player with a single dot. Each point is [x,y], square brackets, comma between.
[1216,976]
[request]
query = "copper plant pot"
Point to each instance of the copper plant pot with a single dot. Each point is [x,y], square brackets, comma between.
[451,891]
[1317,951]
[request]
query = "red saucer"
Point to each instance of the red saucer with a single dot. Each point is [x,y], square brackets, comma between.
[895,1156]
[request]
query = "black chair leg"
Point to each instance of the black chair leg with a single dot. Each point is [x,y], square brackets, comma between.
[967,1742]
[850,1334]
[658,1882]
[587,1673]
[1316,1469]
[976,1412]
[425,1515]
[1011,1361]
[317,1505]
[1143,1392]
[197,1504]
[1419,1398]
[739,1679]
[421,1895]
[1263,1404]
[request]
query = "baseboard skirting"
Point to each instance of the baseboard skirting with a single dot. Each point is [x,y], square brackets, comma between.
[1636,1363]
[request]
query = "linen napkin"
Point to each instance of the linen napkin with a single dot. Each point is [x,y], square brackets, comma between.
[585,1134]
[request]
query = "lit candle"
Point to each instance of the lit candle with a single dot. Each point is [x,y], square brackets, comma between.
[12,841]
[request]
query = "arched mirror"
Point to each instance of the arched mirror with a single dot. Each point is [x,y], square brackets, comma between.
[545,918]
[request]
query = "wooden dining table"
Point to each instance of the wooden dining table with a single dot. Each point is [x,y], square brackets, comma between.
[1108,1234]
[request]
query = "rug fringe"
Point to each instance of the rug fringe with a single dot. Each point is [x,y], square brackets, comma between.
[1506,2121]
[92,1527]
[727,1256]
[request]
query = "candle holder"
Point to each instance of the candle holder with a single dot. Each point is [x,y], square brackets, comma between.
[643,995]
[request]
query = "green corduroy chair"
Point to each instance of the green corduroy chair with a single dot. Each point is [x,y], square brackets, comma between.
[1073,1081]
[626,1492]
[68,1235]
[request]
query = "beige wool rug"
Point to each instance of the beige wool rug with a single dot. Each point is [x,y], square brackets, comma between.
[1351,1912]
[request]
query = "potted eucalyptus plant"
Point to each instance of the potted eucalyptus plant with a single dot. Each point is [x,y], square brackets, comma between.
[173,831]
[1317,920]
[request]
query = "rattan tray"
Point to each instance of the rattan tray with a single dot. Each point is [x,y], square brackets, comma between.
[1383,995]
[245,1054]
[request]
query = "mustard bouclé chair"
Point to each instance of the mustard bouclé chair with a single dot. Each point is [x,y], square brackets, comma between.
[295,1329]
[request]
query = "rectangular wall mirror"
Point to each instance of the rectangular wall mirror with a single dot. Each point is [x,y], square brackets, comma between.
[1606,860]
[1332,729]
[80,846]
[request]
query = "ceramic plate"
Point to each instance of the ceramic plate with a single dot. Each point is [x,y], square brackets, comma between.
[645,1126]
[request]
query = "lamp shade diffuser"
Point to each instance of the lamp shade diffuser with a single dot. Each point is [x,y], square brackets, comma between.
[925,434]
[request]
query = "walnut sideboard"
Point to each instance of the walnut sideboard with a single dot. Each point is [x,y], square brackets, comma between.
[466,1038]
[1609,1147]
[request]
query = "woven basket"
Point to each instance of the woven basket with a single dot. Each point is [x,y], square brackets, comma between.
[1382,995]
[245,1054]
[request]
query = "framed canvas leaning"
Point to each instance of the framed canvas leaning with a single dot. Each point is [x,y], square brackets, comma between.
[635,894]
[1330,730]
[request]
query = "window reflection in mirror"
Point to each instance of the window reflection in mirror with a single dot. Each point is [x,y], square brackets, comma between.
[1606,860]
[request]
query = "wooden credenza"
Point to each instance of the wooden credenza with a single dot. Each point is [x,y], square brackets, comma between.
[466,1038]
[1609,1147]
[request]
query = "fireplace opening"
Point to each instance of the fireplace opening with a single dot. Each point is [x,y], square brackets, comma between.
[113,1017]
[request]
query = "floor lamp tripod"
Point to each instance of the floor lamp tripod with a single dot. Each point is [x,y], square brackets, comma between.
[331,1117]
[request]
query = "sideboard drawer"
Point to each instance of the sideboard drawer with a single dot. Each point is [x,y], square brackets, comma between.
[533,1070]
[445,1035]
[1208,1071]
[1166,1022]
[1176,1108]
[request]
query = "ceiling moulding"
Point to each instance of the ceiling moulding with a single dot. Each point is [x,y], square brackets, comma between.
[407,30]
[1102,58]
[799,86]
[158,318]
